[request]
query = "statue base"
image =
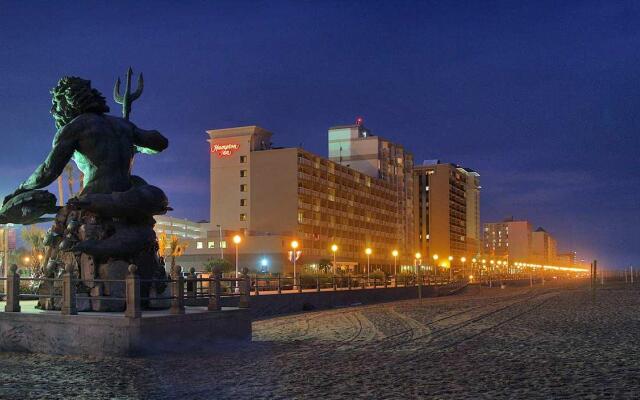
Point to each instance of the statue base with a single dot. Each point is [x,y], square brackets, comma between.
[113,334]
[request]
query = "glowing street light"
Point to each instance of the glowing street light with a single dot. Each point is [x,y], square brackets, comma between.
[394,253]
[237,239]
[418,257]
[334,249]
[368,252]
[294,246]
[435,263]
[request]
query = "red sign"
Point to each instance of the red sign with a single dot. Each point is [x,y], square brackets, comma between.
[224,150]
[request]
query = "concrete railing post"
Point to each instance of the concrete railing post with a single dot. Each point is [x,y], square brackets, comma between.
[279,283]
[349,282]
[299,284]
[132,293]
[68,292]
[257,281]
[385,282]
[363,282]
[335,284]
[245,288]
[317,283]
[419,279]
[214,292]
[375,283]
[12,290]
[177,291]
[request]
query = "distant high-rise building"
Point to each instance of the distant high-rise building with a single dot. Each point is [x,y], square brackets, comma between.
[543,247]
[508,240]
[447,211]
[356,147]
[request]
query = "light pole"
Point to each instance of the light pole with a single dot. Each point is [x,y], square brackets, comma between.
[368,253]
[237,239]
[435,264]
[474,266]
[450,268]
[464,266]
[334,249]
[418,258]
[394,253]
[220,232]
[294,246]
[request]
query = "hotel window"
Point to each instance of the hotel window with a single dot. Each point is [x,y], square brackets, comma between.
[199,245]
[243,202]
[243,187]
[243,173]
[223,244]
[243,217]
[243,159]
[211,245]
[300,217]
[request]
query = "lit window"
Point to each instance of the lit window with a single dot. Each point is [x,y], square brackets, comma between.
[300,217]
[243,188]
[211,245]
[243,159]
[199,245]
[243,202]
[243,217]
[223,244]
[243,173]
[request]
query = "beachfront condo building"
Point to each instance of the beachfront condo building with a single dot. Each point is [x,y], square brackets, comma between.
[447,212]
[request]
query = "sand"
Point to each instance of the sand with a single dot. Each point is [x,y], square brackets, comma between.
[546,342]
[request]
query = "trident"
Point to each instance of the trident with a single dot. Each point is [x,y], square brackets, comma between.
[128,97]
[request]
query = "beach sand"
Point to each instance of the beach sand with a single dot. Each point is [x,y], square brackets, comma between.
[549,342]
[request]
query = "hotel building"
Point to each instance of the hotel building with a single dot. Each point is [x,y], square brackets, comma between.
[356,147]
[271,196]
[508,240]
[543,247]
[447,211]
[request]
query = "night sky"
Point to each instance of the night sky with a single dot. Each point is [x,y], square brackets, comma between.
[541,98]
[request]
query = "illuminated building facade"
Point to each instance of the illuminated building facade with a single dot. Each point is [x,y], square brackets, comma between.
[447,211]
[508,240]
[271,196]
[543,247]
[356,147]
[180,227]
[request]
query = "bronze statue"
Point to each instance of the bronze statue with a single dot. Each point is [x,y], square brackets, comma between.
[109,223]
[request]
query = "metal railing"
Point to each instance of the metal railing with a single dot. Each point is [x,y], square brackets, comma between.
[212,288]
[279,283]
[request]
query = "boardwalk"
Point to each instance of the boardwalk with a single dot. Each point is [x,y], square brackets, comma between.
[546,342]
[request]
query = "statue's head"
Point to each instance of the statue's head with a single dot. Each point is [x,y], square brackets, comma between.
[74,96]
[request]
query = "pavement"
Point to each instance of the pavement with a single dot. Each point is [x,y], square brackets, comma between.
[555,341]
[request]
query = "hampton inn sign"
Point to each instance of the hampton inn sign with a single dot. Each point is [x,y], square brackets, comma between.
[224,150]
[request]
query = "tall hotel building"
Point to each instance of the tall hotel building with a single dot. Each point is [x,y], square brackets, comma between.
[356,147]
[447,211]
[508,240]
[271,196]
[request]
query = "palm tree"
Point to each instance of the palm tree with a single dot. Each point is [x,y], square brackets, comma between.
[34,238]
[171,246]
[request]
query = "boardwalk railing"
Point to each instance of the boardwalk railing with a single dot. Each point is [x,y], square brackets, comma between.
[63,291]
[279,283]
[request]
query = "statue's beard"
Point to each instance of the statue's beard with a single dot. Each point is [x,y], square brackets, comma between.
[61,119]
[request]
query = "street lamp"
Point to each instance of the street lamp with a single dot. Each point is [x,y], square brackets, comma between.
[418,258]
[237,239]
[368,253]
[220,237]
[394,253]
[450,268]
[294,246]
[464,265]
[334,248]
[435,263]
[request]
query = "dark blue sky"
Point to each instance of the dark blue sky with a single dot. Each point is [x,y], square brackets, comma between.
[541,98]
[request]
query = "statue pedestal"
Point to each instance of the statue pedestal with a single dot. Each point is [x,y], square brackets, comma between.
[113,334]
